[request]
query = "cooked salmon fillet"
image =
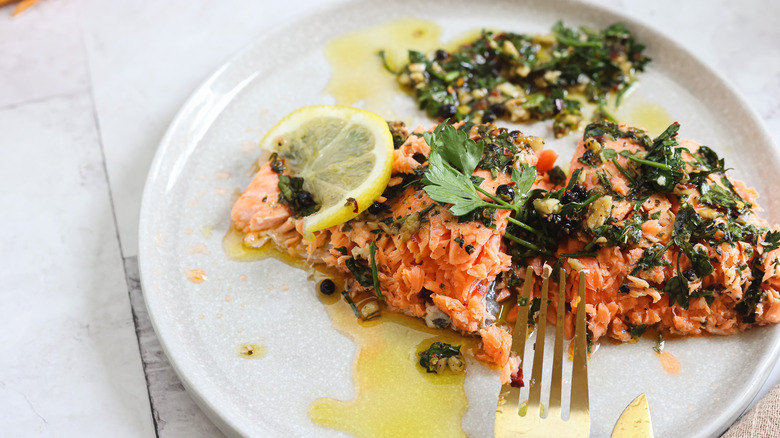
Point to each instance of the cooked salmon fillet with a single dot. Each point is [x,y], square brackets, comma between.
[430,264]
[627,294]
[666,238]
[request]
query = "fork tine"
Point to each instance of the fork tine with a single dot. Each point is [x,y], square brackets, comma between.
[521,324]
[511,420]
[535,391]
[510,396]
[557,371]
[579,379]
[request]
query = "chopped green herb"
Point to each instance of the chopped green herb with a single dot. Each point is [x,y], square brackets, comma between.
[374,273]
[753,295]
[300,201]
[771,241]
[557,175]
[362,273]
[382,55]
[351,304]
[637,331]
[659,344]
[524,78]
[436,358]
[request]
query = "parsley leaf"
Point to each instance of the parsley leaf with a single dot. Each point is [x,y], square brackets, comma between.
[771,241]
[523,180]
[445,184]
[456,147]
[717,196]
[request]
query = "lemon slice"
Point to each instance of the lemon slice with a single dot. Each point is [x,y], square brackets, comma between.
[343,154]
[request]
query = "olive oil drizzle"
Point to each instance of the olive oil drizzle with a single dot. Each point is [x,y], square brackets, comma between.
[357,70]
[394,395]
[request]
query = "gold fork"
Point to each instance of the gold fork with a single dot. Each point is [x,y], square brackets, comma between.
[511,421]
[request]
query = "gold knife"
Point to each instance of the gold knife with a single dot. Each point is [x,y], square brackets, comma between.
[634,422]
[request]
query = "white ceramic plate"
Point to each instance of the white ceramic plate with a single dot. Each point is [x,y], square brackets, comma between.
[206,155]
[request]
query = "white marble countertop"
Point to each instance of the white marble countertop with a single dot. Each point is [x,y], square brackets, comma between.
[88,88]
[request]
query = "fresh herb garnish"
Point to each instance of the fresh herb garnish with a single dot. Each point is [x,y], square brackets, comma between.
[652,257]
[771,241]
[662,168]
[659,344]
[453,158]
[300,201]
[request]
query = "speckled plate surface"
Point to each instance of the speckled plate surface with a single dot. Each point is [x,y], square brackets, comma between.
[207,154]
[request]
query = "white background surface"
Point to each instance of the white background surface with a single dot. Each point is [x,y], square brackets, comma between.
[87,89]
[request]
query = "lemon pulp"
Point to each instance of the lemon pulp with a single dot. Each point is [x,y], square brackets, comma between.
[343,154]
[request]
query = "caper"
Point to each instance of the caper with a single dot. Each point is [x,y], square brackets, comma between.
[447,111]
[375,208]
[305,199]
[505,192]
[690,275]
[498,109]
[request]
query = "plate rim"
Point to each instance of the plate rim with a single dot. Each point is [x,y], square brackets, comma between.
[199,99]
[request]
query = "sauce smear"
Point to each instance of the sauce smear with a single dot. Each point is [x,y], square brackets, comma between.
[251,350]
[670,363]
[196,276]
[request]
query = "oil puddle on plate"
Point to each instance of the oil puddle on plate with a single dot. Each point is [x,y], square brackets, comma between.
[638,111]
[395,396]
[358,73]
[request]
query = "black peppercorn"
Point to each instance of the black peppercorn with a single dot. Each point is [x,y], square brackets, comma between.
[441,55]
[327,286]
[488,117]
